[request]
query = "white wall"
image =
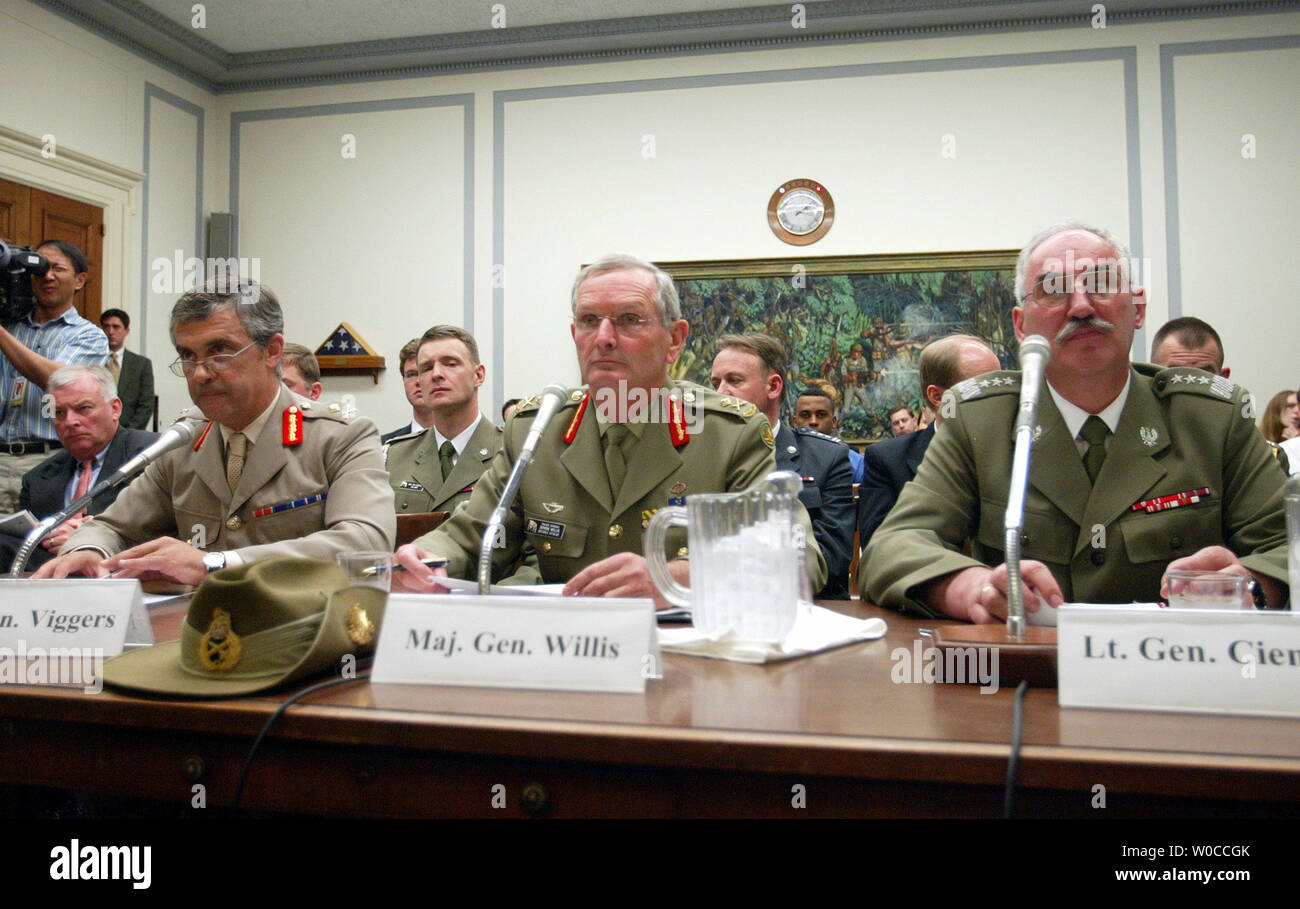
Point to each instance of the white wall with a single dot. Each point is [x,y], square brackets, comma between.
[1046,124]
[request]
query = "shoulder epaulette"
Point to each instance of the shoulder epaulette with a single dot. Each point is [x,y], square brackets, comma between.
[814,434]
[1185,379]
[987,385]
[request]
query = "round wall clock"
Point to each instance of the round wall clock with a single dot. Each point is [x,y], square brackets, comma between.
[800,212]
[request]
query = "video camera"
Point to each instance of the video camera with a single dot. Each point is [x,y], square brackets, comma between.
[18,265]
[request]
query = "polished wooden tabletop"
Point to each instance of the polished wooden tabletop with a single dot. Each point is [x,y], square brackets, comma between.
[836,715]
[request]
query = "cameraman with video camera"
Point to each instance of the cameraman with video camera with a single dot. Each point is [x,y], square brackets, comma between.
[40,331]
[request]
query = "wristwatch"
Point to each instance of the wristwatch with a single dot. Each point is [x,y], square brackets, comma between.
[1257,592]
[214,561]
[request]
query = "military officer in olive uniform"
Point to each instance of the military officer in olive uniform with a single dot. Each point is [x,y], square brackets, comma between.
[1135,469]
[273,473]
[627,444]
[436,469]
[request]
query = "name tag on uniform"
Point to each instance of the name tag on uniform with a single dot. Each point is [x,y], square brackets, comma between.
[568,643]
[1142,657]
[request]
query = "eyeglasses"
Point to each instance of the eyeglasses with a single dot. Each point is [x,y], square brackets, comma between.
[185,366]
[1102,285]
[628,323]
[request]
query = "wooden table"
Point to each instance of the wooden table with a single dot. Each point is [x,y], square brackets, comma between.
[831,733]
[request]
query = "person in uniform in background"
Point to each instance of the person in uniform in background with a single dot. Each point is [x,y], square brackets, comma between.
[815,409]
[1136,470]
[626,444]
[421,413]
[752,367]
[265,478]
[300,372]
[436,470]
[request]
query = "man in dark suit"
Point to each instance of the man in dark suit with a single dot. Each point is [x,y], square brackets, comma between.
[86,419]
[421,413]
[132,372]
[887,466]
[752,368]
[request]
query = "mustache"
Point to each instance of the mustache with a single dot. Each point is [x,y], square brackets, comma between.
[1074,325]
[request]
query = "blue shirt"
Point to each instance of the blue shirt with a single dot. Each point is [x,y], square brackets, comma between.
[68,339]
[96,466]
[858,463]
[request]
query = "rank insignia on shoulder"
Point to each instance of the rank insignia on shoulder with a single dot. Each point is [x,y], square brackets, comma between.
[292,425]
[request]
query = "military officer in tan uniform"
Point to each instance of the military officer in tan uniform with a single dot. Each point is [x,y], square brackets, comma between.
[436,469]
[1135,469]
[273,474]
[628,443]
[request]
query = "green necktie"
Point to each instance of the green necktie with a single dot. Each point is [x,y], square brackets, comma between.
[615,464]
[445,453]
[1094,432]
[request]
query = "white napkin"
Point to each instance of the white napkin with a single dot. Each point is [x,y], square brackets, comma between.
[815,629]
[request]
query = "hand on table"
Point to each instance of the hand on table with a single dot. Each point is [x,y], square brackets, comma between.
[979,594]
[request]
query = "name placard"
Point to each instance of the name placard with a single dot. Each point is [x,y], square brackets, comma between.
[1186,660]
[568,643]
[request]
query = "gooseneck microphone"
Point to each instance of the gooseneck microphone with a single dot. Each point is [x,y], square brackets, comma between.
[553,396]
[180,433]
[1034,354]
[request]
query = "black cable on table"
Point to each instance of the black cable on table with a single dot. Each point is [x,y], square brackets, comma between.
[248,761]
[1013,762]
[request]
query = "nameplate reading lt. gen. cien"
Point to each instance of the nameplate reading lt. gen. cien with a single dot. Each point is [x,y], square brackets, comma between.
[567,643]
[85,613]
[1239,661]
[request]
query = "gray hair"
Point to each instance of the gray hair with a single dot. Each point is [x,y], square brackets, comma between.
[257,308]
[665,299]
[1022,261]
[67,375]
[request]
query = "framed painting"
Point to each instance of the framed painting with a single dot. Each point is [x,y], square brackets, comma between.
[854,326]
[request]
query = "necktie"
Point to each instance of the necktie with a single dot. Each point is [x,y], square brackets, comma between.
[235,459]
[114,367]
[83,482]
[445,453]
[1094,432]
[615,465]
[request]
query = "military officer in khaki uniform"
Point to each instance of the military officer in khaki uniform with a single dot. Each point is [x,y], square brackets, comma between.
[1135,470]
[273,474]
[437,469]
[627,444]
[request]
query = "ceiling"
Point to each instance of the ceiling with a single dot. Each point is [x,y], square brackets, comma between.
[244,45]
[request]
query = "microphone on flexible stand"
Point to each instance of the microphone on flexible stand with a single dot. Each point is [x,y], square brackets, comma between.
[180,433]
[553,396]
[1014,653]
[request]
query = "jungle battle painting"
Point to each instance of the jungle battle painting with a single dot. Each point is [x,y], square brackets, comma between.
[854,327]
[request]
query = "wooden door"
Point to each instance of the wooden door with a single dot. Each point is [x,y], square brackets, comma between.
[29,216]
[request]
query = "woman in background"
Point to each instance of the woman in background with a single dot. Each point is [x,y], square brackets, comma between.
[1281,420]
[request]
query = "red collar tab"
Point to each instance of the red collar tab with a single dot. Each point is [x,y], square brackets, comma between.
[207,429]
[677,422]
[572,432]
[292,425]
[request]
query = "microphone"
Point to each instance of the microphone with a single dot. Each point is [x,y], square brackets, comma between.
[179,433]
[553,397]
[1034,354]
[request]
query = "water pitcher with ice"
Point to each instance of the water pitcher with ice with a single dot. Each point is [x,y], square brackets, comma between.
[747,558]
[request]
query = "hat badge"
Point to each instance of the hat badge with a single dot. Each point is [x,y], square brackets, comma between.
[361,630]
[219,648]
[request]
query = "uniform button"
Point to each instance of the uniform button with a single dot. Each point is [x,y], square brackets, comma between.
[683,553]
[1024,539]
[546,547]
[616,531]
[1175,542]
[233,522]
[403,505]
[1098,557]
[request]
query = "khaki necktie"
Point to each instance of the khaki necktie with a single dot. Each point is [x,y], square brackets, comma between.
[114,367]
[615,464]
[235,459]
[1094,432]
[446,451]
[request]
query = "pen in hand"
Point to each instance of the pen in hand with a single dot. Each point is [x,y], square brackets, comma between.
[397,566]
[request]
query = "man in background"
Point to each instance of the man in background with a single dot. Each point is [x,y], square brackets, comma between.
[300,371]
[1187,341]
[132,372]
[889,465]
[87,414]
[902,420]
[437,469]
[752,367]
[421,413]
[815,410]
